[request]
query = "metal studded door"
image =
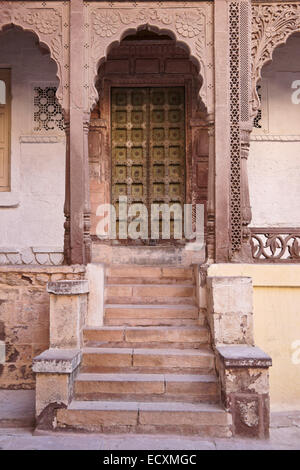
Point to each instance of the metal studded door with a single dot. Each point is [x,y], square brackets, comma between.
[148,145]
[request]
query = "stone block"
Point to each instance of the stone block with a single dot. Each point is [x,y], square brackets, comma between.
[230,310]
[50,389]
[230,294]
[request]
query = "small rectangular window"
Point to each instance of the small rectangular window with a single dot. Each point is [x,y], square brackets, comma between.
[5,105]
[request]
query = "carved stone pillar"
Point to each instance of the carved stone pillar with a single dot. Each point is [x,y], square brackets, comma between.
[211,192]
[246,214]
[87,206]
[240,62]
[232,117]
[77,245]
[67,244]
[222,131]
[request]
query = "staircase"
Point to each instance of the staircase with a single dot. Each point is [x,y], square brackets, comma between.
[150,369]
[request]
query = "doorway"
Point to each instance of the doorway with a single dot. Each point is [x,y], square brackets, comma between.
[148,146]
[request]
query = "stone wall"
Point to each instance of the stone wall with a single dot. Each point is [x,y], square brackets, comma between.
[24,319]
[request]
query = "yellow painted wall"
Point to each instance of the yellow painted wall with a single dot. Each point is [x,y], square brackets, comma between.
[276,324]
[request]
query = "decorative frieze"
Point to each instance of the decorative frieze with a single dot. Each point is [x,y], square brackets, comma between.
[50,22]
[272,25]
[275,244]
[109,22]
[48,256]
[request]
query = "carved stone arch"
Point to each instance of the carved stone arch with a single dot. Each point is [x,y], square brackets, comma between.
[191,26]
[49,23]
[272,25]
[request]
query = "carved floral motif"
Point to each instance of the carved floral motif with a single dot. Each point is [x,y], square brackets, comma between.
[106,24]
[46,21]
[189,24]
[271,25]
[192,24]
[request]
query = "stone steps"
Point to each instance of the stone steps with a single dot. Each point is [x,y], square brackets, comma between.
[146,360]
[150,337]
[129,274]
[175,387]
[145,417]
[150,368]
[150,315]
[148,294]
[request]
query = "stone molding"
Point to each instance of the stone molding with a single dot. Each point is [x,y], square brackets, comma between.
[68,287]
[274,138]
[57,361]
[244,356]
[272,25]
[41,139]
[50,22]
[107,23]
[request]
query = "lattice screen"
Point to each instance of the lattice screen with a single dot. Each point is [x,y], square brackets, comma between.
[235,143]
[47,110]
[257,119]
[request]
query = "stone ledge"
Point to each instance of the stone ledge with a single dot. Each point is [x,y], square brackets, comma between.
[244,356]
[33,268]
[69,287]
[57,361]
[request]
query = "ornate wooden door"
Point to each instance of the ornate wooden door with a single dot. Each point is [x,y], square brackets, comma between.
[148,145]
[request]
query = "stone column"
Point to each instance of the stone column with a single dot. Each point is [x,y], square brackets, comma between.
[68,311]
[67,240]
[246,212]
[211,192]
[77,240]
[233,116]
[222,131]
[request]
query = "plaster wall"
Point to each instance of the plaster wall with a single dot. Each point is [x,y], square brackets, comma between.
[273,164]
[31,214]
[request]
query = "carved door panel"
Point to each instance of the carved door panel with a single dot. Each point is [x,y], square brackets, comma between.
[148,145]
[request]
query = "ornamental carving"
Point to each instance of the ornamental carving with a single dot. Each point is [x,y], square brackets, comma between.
[275,244]
[271,26]
[50,22]
[192,25]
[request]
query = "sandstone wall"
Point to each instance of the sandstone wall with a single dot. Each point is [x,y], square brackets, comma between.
[24,319]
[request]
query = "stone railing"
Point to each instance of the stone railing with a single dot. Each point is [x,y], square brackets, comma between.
[275,244]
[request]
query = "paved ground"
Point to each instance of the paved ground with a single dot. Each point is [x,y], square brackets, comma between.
[17,413]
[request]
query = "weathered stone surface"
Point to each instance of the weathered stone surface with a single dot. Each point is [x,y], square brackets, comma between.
[24,318]
[52,388]
[230,310]
[68,287]
[67,315]
[62,361]
[244,356]
[231,294]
